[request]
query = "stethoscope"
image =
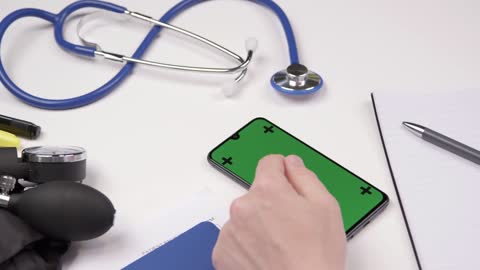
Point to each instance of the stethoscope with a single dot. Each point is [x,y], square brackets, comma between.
[296,79]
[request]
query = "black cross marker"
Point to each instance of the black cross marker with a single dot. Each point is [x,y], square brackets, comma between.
[268,129]
[366,190]
[227,161]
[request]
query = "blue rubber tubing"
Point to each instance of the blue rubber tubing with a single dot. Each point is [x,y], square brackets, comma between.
[108,87]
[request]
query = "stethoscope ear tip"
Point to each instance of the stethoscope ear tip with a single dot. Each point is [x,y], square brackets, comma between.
[229,89]
[251,44]
[296,79]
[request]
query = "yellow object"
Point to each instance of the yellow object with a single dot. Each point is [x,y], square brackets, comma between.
[8,140]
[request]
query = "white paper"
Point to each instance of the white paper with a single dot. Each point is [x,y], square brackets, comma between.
[145,235]
[440,191]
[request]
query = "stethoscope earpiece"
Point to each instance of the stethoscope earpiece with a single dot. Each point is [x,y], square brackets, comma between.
[296,79]
[231,87]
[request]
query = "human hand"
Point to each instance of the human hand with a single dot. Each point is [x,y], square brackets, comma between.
[288,220]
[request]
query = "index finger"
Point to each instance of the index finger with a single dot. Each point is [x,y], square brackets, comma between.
[270,173]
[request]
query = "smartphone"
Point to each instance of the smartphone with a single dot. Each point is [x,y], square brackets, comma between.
[238,155]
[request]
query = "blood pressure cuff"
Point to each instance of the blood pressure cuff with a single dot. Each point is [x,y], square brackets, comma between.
[22,248]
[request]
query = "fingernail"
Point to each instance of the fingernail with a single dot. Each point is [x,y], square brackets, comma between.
[294,161]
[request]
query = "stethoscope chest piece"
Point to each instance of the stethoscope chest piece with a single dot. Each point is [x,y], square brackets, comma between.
[296,80]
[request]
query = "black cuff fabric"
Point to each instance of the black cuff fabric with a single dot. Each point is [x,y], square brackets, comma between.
[22,248]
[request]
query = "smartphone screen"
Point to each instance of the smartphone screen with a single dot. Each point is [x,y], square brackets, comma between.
[239,154]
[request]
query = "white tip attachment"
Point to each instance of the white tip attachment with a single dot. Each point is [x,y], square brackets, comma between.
[230,88]
[251,44]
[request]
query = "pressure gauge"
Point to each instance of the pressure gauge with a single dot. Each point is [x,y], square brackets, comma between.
[54,163]
[54,154]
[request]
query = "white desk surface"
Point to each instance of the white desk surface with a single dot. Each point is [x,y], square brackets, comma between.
[148,141]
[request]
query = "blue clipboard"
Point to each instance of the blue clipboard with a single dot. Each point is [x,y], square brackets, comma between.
[191,250]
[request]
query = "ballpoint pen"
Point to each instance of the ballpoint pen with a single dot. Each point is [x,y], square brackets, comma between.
[444,142]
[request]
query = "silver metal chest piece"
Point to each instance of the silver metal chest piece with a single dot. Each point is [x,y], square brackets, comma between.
[296,80]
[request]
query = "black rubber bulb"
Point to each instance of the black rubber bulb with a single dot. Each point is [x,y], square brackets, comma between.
[64,210]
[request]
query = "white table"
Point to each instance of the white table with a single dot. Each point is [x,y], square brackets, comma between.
[141,138]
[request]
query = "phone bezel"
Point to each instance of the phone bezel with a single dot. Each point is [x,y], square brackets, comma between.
[352,231]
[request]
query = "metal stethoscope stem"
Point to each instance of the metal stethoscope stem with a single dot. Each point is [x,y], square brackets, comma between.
[242,68]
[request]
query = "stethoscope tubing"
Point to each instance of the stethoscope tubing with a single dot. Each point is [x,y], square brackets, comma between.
[58,21]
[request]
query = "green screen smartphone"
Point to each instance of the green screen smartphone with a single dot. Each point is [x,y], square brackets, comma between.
[239,154]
